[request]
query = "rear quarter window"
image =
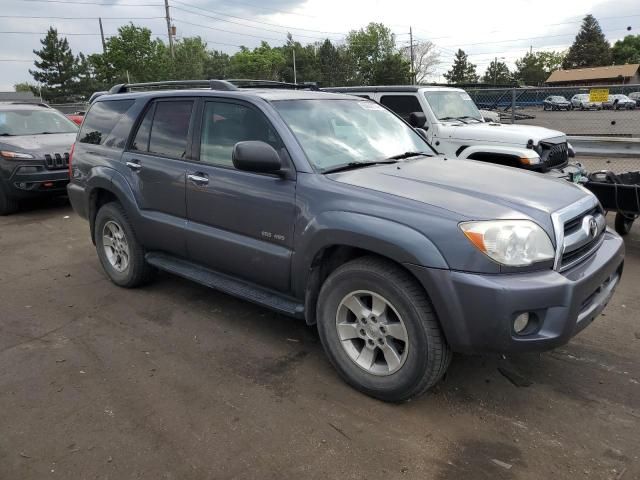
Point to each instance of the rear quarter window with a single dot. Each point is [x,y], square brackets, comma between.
[100,122]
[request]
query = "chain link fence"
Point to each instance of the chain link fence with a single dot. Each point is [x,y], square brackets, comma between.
[613,125]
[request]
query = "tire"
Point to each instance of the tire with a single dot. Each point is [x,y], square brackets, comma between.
[8,205]
[544,107]
[623,223]
[422,359]
[111,222]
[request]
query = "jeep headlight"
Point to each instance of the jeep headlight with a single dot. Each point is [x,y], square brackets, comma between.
[11,155]
[516,243]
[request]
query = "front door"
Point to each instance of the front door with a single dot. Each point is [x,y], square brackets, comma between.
[240,222]
[156,169]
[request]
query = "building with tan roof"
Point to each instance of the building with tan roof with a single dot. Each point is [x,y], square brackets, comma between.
[613,75]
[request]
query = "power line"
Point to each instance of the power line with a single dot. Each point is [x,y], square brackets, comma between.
[99,3]
[81,18]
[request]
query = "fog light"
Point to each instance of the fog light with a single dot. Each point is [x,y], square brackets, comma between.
[521,322]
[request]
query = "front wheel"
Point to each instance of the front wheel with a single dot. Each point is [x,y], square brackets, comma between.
[624,222]
[379,330]
[8,205]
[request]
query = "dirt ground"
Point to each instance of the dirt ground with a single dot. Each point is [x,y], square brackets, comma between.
[175,381]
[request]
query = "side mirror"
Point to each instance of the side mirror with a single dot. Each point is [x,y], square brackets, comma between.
[417,119]
[256,156]
[422,132]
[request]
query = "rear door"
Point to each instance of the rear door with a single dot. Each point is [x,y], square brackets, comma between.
[156,165]
[240,222]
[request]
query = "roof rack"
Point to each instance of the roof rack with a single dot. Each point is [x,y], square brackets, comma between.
[18,102]
[226,85]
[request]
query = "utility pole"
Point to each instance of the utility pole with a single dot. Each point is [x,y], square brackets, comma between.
[413,72]
[295,77]
[495,72]
[169,32]
[104,45]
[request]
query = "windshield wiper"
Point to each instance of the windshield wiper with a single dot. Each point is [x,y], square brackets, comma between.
[6,135]
[354,165]
[459,119]
[402,156]
[469,117]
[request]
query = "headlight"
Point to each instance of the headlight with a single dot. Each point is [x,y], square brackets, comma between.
[516,243]
[15,155]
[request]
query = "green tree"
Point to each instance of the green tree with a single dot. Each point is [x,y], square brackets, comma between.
[191,59]
[262,62]
[134,56]
[535,68]
[590,48]
[329,65]
[56,69]
[374,57]
[497,73]
[307,61]
[86,82]
[24,87]
[626,50]
[217,65]
[462,70]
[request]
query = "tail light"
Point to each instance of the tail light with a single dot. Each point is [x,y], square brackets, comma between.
[70,158]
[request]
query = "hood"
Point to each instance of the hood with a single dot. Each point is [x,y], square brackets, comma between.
[500,133]
[473,190]
[39,145]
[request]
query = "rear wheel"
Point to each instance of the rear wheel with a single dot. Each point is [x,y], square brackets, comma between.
[379,330]
[8,205]
[624,222]
[120,253]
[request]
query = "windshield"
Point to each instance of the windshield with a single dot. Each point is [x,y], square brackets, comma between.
[558,99]
[333,133]
[452,104]
[34,122]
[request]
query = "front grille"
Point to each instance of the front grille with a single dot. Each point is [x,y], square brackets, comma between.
[579,240]
[57,161]
[553,155]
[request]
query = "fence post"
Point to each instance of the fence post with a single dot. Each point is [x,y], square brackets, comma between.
[513,105]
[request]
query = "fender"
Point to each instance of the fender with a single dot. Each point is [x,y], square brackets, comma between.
[525,157]
[396,241]
[111,180]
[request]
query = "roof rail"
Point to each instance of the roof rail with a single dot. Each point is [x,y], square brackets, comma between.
[231,84]
[18,102]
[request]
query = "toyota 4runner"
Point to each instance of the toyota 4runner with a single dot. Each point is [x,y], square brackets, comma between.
[331,208]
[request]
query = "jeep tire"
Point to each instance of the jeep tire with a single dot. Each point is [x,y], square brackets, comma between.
[393,349]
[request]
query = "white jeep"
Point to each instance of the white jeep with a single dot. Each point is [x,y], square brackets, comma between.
[455,127]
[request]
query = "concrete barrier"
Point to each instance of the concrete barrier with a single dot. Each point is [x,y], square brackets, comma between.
[606,146]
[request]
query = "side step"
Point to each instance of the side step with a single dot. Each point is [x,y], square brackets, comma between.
[227,284]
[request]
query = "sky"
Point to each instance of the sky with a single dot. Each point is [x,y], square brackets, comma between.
[505,29]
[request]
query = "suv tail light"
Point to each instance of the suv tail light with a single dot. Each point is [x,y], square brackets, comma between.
[70,158]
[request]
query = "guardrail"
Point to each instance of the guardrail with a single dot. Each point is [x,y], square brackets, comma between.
[605,146]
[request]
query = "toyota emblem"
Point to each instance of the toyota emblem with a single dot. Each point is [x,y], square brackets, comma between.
[593,227]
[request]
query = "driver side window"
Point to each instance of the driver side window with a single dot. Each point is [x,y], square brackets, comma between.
[224,124]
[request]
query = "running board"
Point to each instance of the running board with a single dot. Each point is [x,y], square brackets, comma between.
[227,284]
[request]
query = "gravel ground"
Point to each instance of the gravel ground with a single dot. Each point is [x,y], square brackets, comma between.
[175,381]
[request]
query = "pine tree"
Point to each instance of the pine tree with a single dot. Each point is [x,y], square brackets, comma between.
[462,71]
[590,48]
[56,70]
[497,74]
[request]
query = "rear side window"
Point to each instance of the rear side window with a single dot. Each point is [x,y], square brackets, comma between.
[164,128]
[403,105]
[101,119]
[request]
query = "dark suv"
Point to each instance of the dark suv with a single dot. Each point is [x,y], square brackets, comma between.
[330,208]
[35,141]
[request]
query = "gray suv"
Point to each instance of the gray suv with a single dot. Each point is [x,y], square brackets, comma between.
[332,209]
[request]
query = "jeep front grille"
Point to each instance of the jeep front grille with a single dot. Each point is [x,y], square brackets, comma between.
[57,161]
[554,155]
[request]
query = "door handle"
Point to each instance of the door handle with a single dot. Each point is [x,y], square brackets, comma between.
[198,178]
[135,166]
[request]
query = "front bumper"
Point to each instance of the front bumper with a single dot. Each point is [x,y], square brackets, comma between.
[477,311]
[31,178]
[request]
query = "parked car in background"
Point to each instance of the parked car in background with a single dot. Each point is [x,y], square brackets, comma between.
[76,117]
[581,101]
[619,102]
[330,208]
[490,116]
[635,96]
[454,126]
[556,102]
[35,146]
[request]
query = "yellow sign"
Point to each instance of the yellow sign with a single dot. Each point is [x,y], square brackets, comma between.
[598,94]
